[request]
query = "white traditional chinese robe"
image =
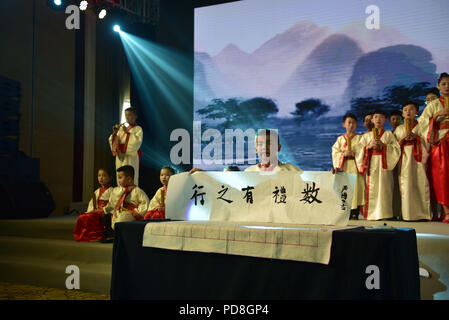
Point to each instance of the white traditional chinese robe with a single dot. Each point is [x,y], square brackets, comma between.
[103,198]
[130,140]
[413,183]
[377,168]
[436,132]
[156,201]
[131,207]
[349,165]
[280,167]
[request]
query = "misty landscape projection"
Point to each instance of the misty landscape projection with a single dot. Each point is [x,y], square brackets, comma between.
[298,66]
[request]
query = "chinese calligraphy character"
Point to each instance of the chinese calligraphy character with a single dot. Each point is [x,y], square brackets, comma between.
[344,196]
[310,194]
[249,195]
[282,197]
[223,191]
[196,194]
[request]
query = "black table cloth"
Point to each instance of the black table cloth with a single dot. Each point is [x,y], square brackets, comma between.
[152,273]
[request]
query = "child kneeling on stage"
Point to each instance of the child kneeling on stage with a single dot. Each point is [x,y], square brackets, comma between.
[127,202]
[91,226]
[156,210]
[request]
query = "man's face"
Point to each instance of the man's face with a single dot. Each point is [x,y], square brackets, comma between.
[409,112]
[378,120]
[350,124]
[267,151]
[395,120]
[367,123]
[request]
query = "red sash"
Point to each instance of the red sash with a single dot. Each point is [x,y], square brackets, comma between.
[371,152]
[343,159]
[123,147]
[127,205]
[100,204]
[416,143]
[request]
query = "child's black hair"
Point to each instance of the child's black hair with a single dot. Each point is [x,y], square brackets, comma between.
[379,111]
[433,90]
[412,103]
[231,168]
[172,171]
[395,113]
[131,109]
[349,115]
[443,75]
[127,170]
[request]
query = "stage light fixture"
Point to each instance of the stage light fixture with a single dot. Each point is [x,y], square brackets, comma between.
[102,13]
[57,2]
[83,5]
[116,28]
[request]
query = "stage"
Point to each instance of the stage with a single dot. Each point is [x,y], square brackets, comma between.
[37,251]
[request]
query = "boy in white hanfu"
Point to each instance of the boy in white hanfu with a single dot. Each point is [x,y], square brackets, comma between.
[343,159]
[376,156]
[125,142]
[127,202]
[413,182]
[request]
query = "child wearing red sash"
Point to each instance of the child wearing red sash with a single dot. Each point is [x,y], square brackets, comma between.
[156,210]
[412,166]
[127,201]
[125,142]
[377,154]
[433,125]
[90,226]
[343,159]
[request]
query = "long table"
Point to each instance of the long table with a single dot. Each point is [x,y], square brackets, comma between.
[364,264]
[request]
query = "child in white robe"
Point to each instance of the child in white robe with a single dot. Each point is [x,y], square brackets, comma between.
[156,209]
[90,226]
[376,158]
[125,143]
[127,202]
[343,159]
[413,182]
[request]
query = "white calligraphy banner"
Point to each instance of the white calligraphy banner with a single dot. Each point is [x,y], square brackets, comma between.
[311,197]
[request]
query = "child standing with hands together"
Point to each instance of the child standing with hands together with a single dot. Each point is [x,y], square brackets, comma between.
[378,155]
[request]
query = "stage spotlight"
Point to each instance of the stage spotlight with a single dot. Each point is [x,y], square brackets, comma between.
[83,5]
[102,13]
[57,2]
[116,28]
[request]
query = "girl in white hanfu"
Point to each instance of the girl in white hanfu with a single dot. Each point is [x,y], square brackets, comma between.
[433,124]
[156,209]
[376,156]
[343,159]
[413,182]
[125,142]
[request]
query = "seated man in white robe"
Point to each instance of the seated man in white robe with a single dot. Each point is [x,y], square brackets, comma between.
[268,153]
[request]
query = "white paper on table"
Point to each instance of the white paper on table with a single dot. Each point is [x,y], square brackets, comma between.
[331,207]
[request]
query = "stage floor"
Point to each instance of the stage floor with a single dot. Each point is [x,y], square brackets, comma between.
[26,246]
